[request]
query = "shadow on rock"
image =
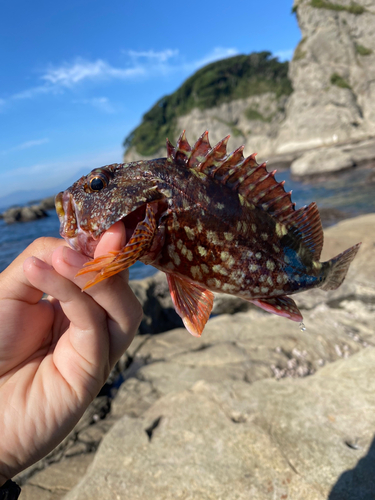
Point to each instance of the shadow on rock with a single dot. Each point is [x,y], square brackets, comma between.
[357,483]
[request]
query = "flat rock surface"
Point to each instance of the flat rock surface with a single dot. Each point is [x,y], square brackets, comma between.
[309,438]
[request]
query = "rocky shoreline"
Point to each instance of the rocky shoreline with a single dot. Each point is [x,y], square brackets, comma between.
[255,408]
[29,212]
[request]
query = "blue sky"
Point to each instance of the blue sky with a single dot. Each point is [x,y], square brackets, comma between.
[77,76]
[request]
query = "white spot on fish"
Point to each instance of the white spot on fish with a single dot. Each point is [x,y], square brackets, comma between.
[174,255]
[227,287]
[230,261]
[196,272]
[217,268]
[213,238]
[280,229]
[224,256]
[190,233]
[205,268]
[214,283]
[270,265]
[202,251]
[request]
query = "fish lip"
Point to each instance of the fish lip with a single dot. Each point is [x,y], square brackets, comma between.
[70,229]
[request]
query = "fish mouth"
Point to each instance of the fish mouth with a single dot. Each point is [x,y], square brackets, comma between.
[85,241]
[70,229]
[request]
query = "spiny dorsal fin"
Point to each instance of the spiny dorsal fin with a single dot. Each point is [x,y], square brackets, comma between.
[244,175]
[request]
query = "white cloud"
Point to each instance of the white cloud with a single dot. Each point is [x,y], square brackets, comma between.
[30,93]
[143,64]
[161,56]
[26,145]
[30,144]
[68,75]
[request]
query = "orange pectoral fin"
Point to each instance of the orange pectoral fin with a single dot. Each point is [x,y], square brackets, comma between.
[192,302]
[114,262]
[282,306]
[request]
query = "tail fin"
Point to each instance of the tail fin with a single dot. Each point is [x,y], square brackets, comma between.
[338,267]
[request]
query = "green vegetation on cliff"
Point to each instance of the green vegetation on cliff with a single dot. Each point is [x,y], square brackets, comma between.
[353,8]
[222,81]
[339,81]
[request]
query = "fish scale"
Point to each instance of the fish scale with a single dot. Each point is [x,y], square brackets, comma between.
[212,221]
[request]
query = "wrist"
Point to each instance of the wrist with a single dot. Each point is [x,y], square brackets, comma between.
[3,480]
[9,491]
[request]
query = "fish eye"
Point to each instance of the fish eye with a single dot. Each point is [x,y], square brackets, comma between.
[97,182]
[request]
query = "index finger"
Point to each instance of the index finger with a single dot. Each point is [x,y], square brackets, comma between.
[114,294]
[14,284]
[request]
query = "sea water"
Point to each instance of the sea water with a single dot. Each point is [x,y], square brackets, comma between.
[14,238]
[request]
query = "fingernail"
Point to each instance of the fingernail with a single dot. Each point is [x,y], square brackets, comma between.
[40,263]
[73,258]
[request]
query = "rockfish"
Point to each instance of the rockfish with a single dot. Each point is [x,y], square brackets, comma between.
[212,221]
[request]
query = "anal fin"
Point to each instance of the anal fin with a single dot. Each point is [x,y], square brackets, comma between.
[114,262]
[192,302]
[282,306]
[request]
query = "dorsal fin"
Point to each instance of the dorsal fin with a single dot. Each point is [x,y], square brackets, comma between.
[244,175]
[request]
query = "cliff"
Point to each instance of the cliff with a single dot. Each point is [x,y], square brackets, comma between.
[332,75]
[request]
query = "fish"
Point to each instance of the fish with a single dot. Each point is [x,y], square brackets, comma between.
[212,221]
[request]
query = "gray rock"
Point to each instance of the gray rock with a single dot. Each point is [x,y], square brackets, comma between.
[333,98]
[322,160]
[234,440]
[24,214]
[53,483]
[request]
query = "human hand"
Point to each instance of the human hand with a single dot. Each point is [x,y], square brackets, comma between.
[56,354]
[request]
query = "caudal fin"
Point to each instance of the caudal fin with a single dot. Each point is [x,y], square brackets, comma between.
[338,267]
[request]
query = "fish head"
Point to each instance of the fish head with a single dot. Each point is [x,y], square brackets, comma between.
[100,199]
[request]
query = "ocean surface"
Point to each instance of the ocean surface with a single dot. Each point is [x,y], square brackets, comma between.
[346,195]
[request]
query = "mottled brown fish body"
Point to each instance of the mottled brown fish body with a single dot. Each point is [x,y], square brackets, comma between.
[209,220]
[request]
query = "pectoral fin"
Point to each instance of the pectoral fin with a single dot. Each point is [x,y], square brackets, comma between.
[114,262]
[192,302]
[282,306]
